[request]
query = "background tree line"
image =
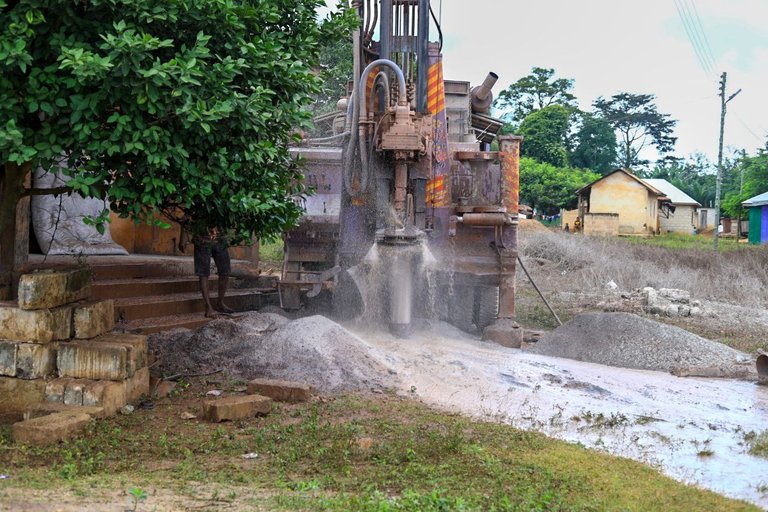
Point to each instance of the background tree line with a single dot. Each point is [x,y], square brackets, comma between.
[566,147]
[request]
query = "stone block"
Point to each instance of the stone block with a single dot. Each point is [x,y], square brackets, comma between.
[505,332]
[35,361]
[137,385]
[8,357]
[236,407]
[17,395]
[54,390]
[675,295]
[90,359]
[73,394]
[35,326]
[136,345]
[105,393]
[45,408]
[49,429]
[650,297]
[280,390]
[160,388]
[49,289]
[94,319]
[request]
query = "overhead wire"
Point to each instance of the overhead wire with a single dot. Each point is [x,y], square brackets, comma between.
[762,140]
[689,31]
[707,46]
[697,29]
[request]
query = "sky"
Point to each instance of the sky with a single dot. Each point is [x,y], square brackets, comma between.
[611,46]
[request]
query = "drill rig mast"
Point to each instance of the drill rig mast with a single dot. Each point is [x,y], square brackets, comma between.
[408,164]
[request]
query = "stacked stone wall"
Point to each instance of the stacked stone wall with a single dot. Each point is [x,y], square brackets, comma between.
[58,357]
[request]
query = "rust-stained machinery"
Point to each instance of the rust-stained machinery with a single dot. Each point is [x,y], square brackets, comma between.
[406,177]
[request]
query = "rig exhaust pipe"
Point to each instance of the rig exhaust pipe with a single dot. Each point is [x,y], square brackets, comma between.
[482,97]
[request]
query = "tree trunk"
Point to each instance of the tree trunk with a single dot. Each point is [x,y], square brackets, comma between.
[14,226]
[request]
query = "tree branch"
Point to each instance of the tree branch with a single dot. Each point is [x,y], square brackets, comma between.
[46,191]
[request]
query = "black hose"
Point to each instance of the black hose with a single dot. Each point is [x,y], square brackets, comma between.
[437,24]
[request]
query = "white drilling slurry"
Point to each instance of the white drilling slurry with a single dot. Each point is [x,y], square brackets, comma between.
[692,429]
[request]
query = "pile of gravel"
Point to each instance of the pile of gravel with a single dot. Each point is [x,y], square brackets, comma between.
[630,341]
[313,350]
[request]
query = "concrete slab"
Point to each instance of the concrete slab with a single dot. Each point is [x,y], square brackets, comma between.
[49,429]
[35,361]
[236,407]
[280,390]
[17,395]
[35,326]
[46,408]
[52,288]
[94,319]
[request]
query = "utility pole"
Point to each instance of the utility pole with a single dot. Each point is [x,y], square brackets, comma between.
[719,181]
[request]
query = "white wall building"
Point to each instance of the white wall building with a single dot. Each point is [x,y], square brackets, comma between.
[682,216]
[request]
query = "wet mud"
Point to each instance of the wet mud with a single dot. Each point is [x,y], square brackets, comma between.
[692,429]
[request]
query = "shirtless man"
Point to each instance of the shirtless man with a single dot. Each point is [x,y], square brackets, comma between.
[210,244]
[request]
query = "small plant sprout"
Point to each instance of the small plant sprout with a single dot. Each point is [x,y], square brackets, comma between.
[137,495]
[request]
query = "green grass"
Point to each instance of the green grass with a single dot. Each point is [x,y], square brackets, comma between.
[758,443]
[684,241]
[271,254]
[348,453]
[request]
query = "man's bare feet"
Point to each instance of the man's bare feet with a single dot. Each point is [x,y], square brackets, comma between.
[223,308]
[210,313]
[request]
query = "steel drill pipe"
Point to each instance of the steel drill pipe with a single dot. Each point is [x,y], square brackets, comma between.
[762,368]
[485,219]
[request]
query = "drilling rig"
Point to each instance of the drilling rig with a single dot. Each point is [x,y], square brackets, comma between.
[405,176]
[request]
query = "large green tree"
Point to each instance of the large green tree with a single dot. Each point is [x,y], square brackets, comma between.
[549,188]
[751,173]
[534,92]
[545,134]
[335,71]
[170,106]
[594,144]
[639,123]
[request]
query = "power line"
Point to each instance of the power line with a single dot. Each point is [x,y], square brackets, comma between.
[698,34]
[756,136]
[689,31]
[703,33]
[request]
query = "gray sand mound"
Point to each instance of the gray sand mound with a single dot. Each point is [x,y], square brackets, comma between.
[313,350]
[629,341]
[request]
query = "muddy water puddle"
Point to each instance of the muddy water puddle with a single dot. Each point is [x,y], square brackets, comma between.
[692,429]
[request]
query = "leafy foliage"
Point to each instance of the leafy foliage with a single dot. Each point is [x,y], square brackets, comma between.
[594,145]
[694,176]
[548,187]
[545,132]
[534,92]
[180,107]
[639,123]
[335,72]
[753,173]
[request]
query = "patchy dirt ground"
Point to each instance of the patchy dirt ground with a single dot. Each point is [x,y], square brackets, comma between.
[692,429]
[580,274]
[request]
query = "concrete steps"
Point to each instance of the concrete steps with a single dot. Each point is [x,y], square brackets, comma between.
[136,308]
[153,295]
[165,323]
[138,287]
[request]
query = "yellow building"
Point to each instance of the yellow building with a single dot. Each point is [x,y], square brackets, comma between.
[619,203]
